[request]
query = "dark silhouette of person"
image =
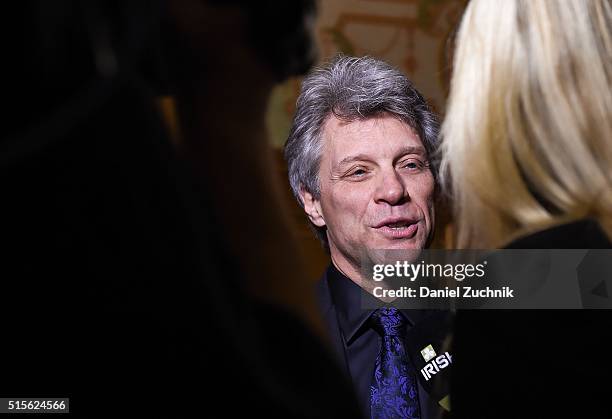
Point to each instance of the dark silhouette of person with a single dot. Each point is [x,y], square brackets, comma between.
[124,285]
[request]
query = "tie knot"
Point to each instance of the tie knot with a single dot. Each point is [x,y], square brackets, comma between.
[388,321]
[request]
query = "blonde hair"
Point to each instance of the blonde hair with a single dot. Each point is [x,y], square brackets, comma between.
[527,139]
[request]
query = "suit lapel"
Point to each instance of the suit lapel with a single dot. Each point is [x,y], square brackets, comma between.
[330,317]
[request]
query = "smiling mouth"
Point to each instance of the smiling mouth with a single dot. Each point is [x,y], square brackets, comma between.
[399,229]
[398,225]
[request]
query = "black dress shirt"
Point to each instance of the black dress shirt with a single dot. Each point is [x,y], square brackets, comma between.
[361,343]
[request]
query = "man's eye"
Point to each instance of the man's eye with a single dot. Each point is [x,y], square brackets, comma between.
[358,172]
[414,165]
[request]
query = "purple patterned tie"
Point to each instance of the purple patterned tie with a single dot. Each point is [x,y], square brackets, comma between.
[393,393]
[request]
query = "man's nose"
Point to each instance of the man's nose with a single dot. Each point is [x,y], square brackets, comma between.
[390,188]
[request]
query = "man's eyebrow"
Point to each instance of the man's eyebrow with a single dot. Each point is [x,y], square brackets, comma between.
[353,158]
[412,150]
[364,157]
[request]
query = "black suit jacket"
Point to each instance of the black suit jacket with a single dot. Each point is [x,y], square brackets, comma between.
[535,363]
[432,329]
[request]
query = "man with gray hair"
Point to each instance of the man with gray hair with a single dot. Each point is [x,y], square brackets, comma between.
[359,158]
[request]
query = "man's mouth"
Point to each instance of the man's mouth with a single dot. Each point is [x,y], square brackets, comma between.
[398,225]
[398,228]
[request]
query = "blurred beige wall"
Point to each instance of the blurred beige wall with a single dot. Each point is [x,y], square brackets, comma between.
[410,34]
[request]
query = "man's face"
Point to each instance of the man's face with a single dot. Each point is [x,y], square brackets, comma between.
[376,188]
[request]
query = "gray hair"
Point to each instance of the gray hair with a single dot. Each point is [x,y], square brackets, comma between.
[350,88]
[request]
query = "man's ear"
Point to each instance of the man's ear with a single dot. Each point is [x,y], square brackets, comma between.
[312,207]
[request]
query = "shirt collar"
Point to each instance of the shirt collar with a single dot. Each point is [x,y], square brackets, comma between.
[348,297]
